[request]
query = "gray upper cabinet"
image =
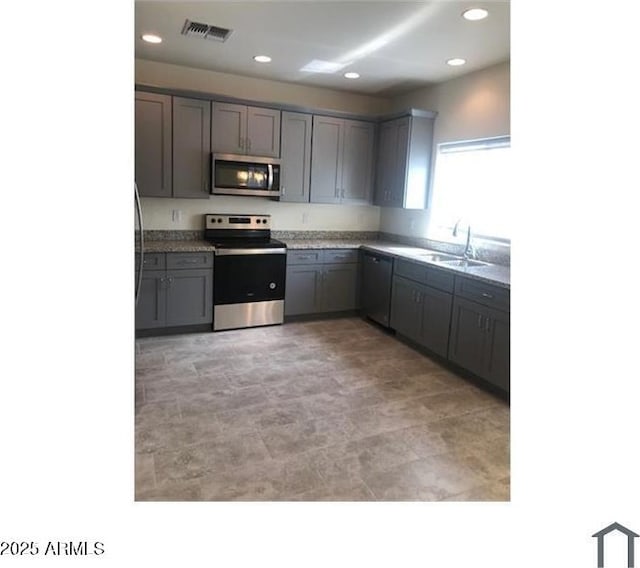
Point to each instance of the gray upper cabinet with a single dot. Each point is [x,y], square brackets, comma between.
[229,128]
[341,160]
[153,141]
[296,157]
[191,147]
[357,161]
[263,132]
[172,146]
[326,159]
[404,162]
[238,129]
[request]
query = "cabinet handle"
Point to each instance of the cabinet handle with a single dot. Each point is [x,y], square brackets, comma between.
[248,143]
[283,191]
[487,327]
[485,295]
[241,142]
[479,320]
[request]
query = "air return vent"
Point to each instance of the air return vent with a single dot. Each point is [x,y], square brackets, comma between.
[205,31]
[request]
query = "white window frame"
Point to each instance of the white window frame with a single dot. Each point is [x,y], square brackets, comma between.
[441,232]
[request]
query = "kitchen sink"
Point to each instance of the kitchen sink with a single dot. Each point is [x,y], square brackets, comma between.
[436,257]
[463,263]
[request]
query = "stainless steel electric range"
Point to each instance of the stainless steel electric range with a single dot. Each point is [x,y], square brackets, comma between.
[249,271]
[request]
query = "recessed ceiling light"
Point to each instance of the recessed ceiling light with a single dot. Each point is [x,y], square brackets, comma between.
[262,58]
[456,61]
[152,38]
[352,75]
[475,14]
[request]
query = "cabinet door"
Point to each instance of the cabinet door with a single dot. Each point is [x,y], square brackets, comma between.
[191,147]
[150,310]
[399,170]
[406,315]
[153,144]
[467,342]
[498,350]
[296,157]
[357,162]
[302,291]
[189,297]
[263,132]
[386,162]
[436,319]
[376,287]
[229,128]
[339,287]
[326,159]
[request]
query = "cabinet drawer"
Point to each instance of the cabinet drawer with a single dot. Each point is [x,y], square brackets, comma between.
[482,293]
[411,270]
[335,256]
[313,256]
[189,260]
[440,280]
[152,261]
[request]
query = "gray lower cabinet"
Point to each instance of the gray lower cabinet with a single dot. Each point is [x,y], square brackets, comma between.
[180,295]
[151,307]
[480,328]
[321,281]
[303,292]
[375,292]
[296,157]
[421,313]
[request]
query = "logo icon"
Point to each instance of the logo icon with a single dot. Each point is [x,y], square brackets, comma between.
[630,543]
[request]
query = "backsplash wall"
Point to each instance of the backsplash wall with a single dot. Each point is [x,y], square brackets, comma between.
[158,214]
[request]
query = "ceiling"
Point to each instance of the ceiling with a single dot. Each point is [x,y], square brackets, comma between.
[394,46]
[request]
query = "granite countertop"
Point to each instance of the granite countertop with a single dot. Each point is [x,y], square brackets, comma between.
[490,273]
[178,246]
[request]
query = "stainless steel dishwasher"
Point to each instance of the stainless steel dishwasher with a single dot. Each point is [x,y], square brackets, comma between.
[376,286]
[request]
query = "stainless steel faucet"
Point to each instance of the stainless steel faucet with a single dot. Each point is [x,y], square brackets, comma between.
[468,249]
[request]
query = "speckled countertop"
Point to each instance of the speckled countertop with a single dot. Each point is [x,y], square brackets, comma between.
[490,273]
[178,246]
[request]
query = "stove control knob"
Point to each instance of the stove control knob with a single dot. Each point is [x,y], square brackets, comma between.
[219,219]
[272,285]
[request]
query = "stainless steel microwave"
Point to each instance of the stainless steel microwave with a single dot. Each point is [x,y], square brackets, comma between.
[232,174]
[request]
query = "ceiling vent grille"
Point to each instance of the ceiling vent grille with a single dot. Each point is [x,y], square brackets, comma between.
[205,31]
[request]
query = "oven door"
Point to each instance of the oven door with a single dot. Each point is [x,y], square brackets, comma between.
[248,288]
[249,275]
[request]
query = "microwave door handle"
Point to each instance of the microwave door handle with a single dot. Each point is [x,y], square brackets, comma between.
[269,177]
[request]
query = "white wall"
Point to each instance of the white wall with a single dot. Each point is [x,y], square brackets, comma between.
[170,76]
[472,106]
[158,213]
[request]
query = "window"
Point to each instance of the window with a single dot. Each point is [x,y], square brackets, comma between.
[473,182]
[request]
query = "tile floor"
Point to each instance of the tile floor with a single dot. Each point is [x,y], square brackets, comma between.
[333,410]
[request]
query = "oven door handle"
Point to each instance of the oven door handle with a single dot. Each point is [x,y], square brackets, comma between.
[247,251]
